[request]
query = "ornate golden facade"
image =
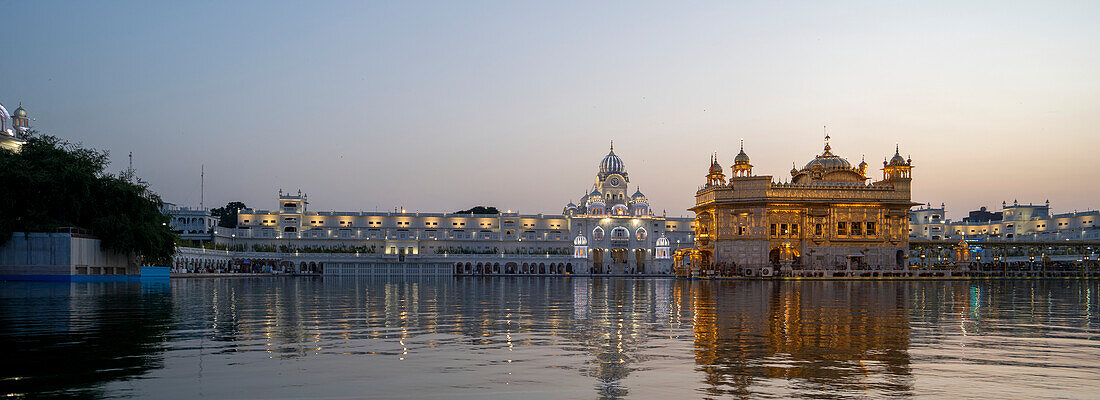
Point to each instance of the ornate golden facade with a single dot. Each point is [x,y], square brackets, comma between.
[827,217]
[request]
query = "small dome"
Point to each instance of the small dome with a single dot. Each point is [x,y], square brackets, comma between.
[638,195]
[611,163]
[20,112]
[897,159]
[594,197]
[662,241]
[741,158]
[570,206]
[580,240]
[715,167]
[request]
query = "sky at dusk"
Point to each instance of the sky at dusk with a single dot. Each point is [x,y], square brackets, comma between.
[441,106]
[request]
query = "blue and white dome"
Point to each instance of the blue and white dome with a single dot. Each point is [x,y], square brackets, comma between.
[612,164]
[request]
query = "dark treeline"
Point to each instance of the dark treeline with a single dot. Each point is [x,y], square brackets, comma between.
[479,210]
[51,183]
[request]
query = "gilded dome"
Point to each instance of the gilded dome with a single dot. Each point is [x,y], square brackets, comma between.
[741,158]
[828,167]
[715,167]
[828,160]
[897,159]
[20,112]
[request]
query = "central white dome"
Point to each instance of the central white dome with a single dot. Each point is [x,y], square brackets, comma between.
[612,164]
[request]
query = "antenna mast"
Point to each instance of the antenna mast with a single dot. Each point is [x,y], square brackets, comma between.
[202,187]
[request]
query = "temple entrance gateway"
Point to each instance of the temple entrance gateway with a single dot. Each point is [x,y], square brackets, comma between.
[618,261]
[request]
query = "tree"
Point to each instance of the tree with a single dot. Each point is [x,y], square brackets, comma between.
[51,183]
[228,215]
[479,210]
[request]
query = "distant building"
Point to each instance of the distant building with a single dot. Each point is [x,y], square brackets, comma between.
[828,216]
[1016,222]
[982,215]
[191,223]
[13,128]
[609,232]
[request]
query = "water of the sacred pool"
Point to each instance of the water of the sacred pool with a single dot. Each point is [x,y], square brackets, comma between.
[549,338]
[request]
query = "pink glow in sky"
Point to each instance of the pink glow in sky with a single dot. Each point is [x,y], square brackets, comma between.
[440,106]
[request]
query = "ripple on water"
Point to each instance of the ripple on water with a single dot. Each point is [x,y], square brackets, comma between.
[550,338]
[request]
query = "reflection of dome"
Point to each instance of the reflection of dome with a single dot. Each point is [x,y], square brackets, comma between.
[612,164]
[662,241]
[580,240]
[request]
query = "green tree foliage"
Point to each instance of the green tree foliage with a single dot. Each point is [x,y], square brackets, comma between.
[479,210]
[51,183]
[228,215]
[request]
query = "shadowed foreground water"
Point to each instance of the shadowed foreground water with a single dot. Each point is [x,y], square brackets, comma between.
[546,338]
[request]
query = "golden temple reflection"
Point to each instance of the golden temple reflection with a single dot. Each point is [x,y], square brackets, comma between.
[806,337]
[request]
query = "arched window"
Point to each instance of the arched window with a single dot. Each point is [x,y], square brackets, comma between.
[597,234]
[620,233]
[640,233]
[619,209]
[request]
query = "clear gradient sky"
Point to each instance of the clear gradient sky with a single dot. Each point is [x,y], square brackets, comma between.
[440,106]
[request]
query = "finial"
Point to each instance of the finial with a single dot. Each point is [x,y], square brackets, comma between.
[742,145]
[612,144]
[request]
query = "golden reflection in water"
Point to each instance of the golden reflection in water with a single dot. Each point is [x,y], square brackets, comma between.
[821,335]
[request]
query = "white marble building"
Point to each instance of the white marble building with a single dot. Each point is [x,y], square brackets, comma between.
[1015,222]
[191,223]
[13,128]
[611,232]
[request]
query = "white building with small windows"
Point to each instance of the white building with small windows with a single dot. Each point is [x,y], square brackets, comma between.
[190,223]
[611,232]
[1015,222]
